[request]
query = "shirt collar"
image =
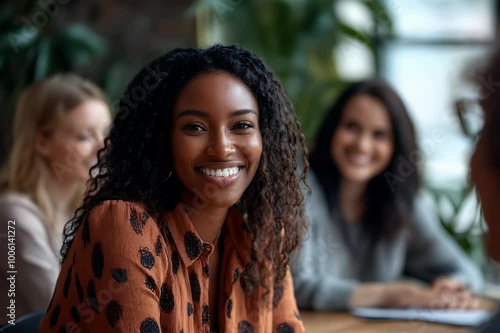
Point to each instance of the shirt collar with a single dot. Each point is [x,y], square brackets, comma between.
[190,246]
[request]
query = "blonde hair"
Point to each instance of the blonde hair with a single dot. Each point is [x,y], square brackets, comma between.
[38,110]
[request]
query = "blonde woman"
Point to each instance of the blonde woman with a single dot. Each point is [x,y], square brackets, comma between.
[58,129]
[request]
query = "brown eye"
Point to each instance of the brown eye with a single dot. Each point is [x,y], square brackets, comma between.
[243,125]
[193,127]
[83,137]
[351,125]
[380,135]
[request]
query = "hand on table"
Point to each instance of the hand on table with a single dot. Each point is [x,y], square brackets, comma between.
[453,294]
[443,294]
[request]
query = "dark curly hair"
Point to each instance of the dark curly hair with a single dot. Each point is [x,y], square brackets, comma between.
[389,195]
[136,158]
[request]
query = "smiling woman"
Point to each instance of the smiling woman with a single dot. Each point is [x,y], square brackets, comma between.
[216,139]
[190,223]
[369,227]
[59,127]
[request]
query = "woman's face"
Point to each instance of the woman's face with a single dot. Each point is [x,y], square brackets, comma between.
[486,178]
[71,147]
[362,145]
[216,140]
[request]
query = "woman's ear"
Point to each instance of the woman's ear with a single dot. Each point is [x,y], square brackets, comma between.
[41,143]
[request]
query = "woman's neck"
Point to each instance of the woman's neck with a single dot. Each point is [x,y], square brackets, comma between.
[208,222]
[352,200]
[62,195]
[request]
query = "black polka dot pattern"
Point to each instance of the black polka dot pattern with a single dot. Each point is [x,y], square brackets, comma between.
[229,308]
[113,313]
[67,282]
[97,292]
[176,260]
[167,302]
[277,295]
[195,286]
[158,246]
[147,259]
[138,222]
[75,314]
[236,275]
[150,283]
[97,260]
[205,317]
[284,328]
[86,233]
[244,327]
[79,288]
[119,274]
[193,245]
[91,296]
[169,236]
[55,315]
[206,271]
[149,325]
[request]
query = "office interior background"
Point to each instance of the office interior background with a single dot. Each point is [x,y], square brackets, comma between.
[427,49]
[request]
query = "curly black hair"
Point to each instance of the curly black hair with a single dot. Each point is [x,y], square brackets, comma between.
[390,194]
[137,158]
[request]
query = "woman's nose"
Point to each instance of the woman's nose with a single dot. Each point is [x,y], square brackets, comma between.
[220,145]
[363,142]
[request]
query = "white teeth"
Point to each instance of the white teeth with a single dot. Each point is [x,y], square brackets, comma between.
[363,159]
[220,172]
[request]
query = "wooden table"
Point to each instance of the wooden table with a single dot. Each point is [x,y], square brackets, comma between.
[328,322]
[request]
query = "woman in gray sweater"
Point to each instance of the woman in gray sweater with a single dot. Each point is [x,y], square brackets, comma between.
[369,227]
[58,129]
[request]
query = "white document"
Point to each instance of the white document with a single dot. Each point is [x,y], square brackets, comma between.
[452,317]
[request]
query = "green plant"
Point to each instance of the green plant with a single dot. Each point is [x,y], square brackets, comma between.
[297,39]
[450,206]
[33,46]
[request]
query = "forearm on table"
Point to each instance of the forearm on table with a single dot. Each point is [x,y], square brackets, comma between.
[372,295]
[323,293]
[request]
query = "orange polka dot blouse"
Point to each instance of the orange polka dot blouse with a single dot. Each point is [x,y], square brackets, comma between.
[122,275]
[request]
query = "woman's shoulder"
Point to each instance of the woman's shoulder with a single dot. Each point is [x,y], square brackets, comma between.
[20,207]
[424,208]
[114,214]
[318,213]
[10,200]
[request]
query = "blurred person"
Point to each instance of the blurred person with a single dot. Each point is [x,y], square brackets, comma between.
[485,167]
[369,226]
[190,224]
[58,128]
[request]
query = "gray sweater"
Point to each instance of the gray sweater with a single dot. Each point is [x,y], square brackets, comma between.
[327,271]
[36,256]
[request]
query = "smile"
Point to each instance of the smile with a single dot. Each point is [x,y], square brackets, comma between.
[227,172]
[359,160]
